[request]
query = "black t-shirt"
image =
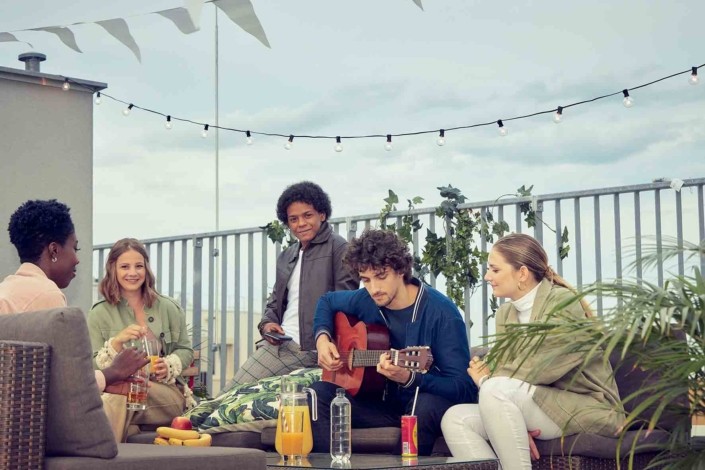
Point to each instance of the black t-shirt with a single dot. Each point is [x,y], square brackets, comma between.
[398,319]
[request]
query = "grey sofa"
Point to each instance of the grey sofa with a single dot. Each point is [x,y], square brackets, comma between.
[51,414]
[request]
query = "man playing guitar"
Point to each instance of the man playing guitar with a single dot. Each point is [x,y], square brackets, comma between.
[415,315]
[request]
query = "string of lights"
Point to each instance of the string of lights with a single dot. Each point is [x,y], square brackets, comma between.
[627,101]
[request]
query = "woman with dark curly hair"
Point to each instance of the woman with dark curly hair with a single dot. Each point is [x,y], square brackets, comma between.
[43,233]
[305,271]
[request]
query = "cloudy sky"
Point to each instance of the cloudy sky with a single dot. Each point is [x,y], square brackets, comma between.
[375,67]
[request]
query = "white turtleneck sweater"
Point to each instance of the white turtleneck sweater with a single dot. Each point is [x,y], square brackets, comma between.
[525,304]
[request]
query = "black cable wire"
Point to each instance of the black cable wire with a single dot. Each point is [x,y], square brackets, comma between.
[369,136]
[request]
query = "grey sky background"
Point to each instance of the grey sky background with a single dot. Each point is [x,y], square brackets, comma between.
[375,67]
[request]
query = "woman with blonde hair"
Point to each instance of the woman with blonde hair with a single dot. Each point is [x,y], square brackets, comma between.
[130,310]
[536,394]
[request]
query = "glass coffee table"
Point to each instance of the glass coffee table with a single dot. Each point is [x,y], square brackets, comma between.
[381,462]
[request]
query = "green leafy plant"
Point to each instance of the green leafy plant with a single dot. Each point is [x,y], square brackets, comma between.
[277,232]
[456,255]
[531,217]
[408,226]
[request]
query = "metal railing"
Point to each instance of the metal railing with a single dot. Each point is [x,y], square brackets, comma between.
[222,279]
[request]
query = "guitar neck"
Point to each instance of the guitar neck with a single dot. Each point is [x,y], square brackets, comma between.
[368,358]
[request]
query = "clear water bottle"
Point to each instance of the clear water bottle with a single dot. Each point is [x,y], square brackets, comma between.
[340,426]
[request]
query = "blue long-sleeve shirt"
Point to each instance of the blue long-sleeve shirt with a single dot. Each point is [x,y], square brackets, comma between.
[436,322]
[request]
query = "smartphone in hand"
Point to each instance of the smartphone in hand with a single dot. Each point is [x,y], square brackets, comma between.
[276,336]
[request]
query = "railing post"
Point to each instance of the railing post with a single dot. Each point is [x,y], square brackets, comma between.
[213,347]
[197,297]
[224,311]
[352,228]
[537,206]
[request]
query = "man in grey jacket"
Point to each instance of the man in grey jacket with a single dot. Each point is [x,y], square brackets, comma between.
[305,271]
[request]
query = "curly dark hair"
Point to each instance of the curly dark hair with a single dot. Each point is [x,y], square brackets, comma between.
[377,249]
[36,224]
[306,192]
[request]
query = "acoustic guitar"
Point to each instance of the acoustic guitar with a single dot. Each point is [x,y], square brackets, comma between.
[360,346]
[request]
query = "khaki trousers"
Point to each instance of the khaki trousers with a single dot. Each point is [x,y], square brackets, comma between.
[164,402]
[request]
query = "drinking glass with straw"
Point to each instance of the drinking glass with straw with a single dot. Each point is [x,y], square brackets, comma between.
[152,347]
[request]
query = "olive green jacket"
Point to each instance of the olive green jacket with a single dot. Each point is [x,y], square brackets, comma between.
[165,319]
[579,399]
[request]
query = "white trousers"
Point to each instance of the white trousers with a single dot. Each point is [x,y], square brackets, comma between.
[504,414]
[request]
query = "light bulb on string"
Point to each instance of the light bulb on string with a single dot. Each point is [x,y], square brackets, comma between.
[694,80]
[66,86]
[204,132]
[441,140]
[289,143]
[628,101]
[168,124]
[338,146]
[558,116]
[126,111]
[388,144]
[98,99]
[503,131]
[249,137]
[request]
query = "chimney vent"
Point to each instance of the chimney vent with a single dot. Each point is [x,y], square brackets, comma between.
[32,60]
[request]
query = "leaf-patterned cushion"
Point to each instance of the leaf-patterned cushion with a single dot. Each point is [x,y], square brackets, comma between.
[246,407]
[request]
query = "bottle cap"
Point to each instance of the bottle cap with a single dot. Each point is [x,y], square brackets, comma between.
[339,390]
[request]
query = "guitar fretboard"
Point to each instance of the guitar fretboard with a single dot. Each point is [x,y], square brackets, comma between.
[368,358]
[418,358]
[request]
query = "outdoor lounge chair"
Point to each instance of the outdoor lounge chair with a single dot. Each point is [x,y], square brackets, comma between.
[51,414]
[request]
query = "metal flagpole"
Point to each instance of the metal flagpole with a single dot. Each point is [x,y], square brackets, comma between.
[217,133]
[216,245]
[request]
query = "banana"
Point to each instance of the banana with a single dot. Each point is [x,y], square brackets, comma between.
[160,441]
[175,442]
[183,434]
[204,441]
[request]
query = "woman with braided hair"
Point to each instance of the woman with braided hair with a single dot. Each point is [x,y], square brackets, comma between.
[537,395]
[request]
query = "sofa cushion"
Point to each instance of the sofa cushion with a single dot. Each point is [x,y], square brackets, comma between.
[594,445]
[247,407]
[633,381]
[136,456]
[76,422]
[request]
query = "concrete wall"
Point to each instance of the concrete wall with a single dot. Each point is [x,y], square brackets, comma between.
[46,152]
